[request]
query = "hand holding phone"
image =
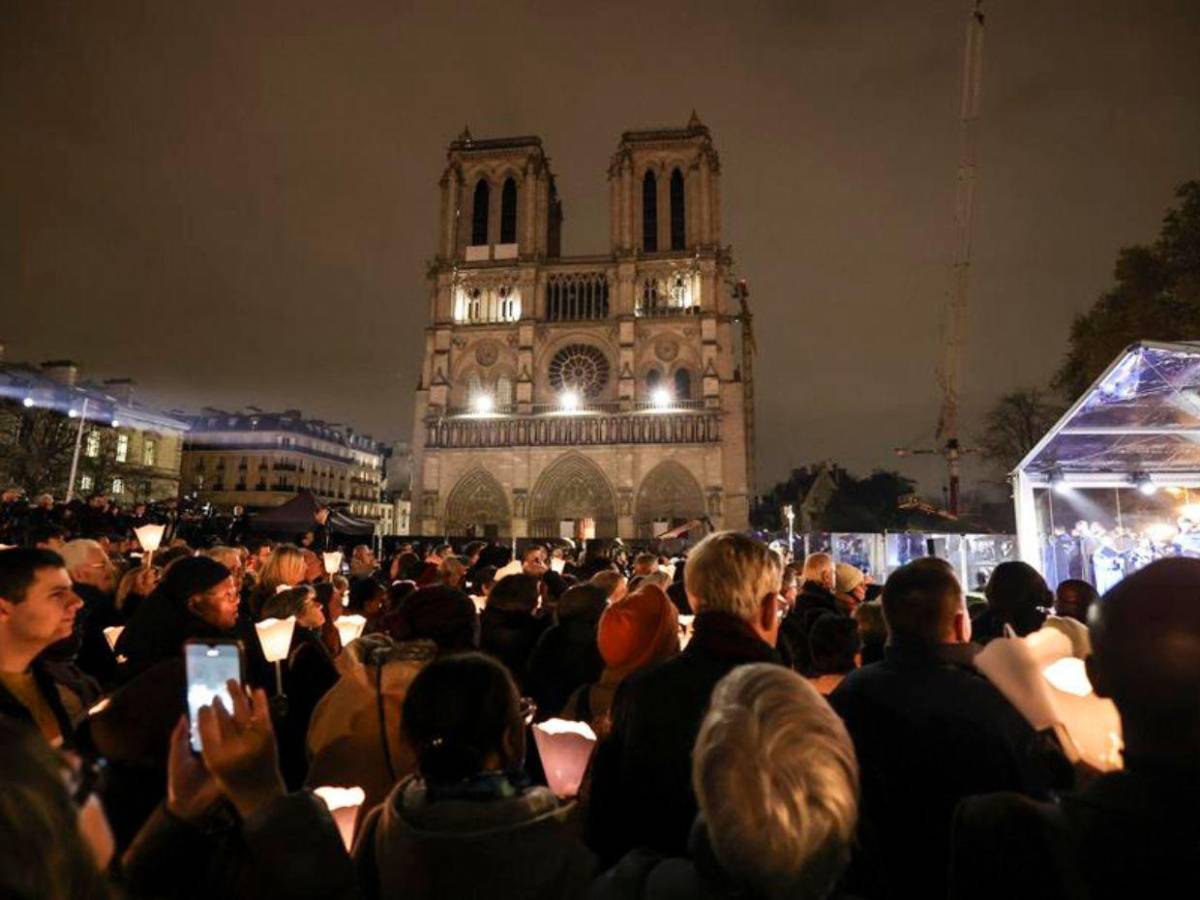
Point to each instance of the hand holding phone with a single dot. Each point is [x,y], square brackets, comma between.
[210,665]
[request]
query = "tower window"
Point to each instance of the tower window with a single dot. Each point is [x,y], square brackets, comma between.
[653,380]
[678,226]
[683,384]
[479,214]
[650,213]
[508,212]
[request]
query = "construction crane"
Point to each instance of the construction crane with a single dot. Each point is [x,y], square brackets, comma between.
[741,293]
[955,325]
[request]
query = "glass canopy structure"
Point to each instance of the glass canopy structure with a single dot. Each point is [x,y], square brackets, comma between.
[1136,427]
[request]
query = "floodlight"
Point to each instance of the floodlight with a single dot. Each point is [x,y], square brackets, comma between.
[661,398]
[28,401]
[1145,485]
[568,401]
[482,404]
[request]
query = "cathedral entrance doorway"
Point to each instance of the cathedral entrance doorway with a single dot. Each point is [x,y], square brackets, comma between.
[669,496]
[477,507]
[572,494]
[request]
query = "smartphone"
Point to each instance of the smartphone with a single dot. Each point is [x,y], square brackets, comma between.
[210,664]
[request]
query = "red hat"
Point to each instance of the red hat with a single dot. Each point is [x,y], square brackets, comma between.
[640,629]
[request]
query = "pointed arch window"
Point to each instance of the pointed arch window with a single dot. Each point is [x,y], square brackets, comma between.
[653,380]
[678,218]
[504,392]
[683,384]
[650,213]
[508,212]
[479,214]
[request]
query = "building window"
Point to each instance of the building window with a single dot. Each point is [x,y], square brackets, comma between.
[479,214]
[86,482]
[122,447]
[118,485]
[93,444]
[678,221]
[508,212]
[650,213]
[148,450]
[683,384]
[653,380]
[504,392]
[199,481]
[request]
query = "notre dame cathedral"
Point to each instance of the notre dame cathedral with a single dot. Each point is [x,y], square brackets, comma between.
[583,396]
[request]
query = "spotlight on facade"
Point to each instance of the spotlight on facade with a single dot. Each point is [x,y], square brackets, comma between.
[661,398]
[28,401]
[568,401]
[1147,487]
[482,404]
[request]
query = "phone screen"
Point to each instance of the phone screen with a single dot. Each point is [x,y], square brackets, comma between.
[209,667]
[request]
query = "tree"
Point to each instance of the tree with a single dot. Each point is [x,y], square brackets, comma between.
[35,447]
[868,504]
[1156,297]
[1014,424]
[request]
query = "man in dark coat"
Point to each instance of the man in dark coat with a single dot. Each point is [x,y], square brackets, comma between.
[928,730]
[38,608]
[1128,833]
[95,580]
[566,655]
[641,793]
[815,598]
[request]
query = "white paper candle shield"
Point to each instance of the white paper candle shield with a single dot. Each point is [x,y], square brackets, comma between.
[350,628]
[565,748]
[1050,688]
[275,636]
[112,634]
[333,562]
[343,804]
[149,536]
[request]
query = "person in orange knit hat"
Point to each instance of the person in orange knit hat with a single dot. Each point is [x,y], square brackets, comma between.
[636,632]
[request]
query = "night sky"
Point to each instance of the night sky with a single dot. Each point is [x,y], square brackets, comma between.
[233,202]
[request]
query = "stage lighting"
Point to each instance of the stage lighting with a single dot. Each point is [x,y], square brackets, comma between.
[661,398]
[568,401]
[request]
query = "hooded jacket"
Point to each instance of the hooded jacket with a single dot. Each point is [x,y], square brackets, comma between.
[501,848]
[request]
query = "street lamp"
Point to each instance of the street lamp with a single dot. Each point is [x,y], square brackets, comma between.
[789,513]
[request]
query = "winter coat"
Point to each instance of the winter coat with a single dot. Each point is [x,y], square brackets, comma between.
[288,850]
[1126,834]
[510,636]
[460,849]
[928,730]
[811,602]
[345,745]
[648,875]
[68,693]
[641,793]
[564,658]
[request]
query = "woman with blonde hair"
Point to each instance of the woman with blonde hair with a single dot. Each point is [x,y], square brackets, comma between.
[285,567]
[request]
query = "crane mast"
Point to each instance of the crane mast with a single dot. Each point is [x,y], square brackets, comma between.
[949,374]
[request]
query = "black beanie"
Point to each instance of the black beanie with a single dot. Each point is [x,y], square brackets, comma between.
[192,576]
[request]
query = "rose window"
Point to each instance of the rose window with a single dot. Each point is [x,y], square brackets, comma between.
[581,368]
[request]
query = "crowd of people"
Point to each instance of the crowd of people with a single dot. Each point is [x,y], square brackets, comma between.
[764,728]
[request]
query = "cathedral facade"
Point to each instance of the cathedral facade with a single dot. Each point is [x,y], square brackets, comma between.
[583,396]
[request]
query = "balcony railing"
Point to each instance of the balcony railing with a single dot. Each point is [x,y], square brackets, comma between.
[589,409]
[682,426]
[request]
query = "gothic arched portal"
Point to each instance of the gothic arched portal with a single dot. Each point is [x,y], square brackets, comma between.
[669,493]
[572,488]
[478,507]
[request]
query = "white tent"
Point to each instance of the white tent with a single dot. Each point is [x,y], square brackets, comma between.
[1136,427]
